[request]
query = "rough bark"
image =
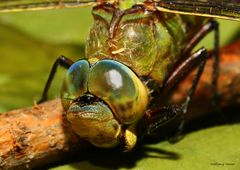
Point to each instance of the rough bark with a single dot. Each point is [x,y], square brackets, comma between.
[36,136]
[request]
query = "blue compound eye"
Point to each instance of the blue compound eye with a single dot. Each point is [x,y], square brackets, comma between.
[120,88]
[75,82]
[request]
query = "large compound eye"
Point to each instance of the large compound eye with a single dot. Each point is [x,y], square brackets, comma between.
[75,82]
[120,88]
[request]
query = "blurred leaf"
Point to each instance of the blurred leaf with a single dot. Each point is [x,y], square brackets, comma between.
[210,148]
[26,63]
[30,43]
[66,25]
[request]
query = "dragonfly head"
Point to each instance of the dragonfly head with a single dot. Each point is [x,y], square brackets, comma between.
[103,100]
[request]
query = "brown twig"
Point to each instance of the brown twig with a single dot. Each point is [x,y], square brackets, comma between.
[37,136]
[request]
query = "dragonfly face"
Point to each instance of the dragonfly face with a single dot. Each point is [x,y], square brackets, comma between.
[101,98]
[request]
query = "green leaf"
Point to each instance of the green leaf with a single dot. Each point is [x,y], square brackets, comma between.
[212,148]
[25,65]
[55,26]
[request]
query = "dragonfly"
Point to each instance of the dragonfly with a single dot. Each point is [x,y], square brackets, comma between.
[137,51]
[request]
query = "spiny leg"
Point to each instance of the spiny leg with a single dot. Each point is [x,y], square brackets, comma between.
[161,116]
[184,106]
[212,25]
[62,61]
[184,69]
[165,114]
[215,66]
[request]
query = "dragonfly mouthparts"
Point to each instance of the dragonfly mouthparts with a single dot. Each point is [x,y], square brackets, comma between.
[86,99]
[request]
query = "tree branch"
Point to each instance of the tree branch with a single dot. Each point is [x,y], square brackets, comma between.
[36,136]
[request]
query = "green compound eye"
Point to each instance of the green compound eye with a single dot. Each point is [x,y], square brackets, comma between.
[120,88]
[75,82]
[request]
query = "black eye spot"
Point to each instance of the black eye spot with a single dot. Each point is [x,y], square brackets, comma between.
[86,99]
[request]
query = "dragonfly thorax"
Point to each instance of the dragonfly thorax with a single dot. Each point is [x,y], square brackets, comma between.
[139,38]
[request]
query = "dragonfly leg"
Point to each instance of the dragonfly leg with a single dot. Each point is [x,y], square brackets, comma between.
[184,69]
[168,113]
[212,25]
[188,99]
[161,116]
[62,61]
